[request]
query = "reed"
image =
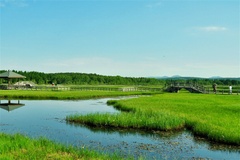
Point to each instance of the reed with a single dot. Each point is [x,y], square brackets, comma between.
[21,147]
[134,120]
[215,117]
[38,94]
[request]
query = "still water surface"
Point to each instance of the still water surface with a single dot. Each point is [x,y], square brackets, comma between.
[46,118]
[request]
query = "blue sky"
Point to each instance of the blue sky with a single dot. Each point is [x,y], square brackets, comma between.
[136,38]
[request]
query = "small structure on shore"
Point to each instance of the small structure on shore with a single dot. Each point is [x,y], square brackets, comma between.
[9,75]
[25,84]
[11,106]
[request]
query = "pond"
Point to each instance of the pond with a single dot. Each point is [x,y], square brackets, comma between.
[46,118]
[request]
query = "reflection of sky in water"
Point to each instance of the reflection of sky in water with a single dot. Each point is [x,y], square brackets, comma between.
[46,118]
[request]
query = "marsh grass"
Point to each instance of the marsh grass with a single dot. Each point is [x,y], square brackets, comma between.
[133,120]
[215,117]
[31,94]
[20,147]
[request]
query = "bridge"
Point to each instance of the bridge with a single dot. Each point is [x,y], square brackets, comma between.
[193,88]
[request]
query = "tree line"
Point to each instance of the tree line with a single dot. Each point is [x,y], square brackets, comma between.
[83,79]
[95,79]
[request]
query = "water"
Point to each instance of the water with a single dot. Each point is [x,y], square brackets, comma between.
[46,118]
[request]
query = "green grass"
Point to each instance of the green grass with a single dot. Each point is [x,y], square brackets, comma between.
[20,147]
[133,120]
[38,94]
[23,148]
[216,117]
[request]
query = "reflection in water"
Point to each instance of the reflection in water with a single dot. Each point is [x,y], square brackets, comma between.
[172,137]
[125,132]
[47,118]
[214,146]
[11,106]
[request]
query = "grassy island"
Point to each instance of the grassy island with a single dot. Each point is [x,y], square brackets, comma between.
[215,117]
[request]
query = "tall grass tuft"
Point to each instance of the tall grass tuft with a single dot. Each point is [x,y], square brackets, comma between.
[21,147]
[130,118]
[215,117]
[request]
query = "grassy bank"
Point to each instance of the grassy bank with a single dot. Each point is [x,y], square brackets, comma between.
[215,117]
[20,147]
[31,94]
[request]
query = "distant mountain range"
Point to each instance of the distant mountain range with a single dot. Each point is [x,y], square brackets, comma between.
[177,77]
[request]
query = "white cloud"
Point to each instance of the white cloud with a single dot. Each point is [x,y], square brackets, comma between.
[212,28]
[153,5]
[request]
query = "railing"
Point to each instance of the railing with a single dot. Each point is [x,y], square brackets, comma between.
[189,86]
[201,88]
[80,88]
[175,86]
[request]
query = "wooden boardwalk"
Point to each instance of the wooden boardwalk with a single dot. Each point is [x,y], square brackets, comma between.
[193,88]
[174,87]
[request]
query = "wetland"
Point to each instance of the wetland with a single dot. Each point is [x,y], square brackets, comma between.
[47,118]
